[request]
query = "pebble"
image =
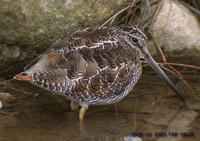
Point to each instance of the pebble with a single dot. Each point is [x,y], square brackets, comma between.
[131,138]
[5,96]
[1,105]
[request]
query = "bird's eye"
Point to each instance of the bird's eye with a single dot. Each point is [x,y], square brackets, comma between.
[134,40]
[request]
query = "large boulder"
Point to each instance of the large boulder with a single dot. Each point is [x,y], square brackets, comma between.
[177,30]
[28,27]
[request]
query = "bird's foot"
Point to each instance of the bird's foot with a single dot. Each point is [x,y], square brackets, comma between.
[74,106]
[82,113]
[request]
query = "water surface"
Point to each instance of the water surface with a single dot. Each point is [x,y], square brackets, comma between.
[150,110]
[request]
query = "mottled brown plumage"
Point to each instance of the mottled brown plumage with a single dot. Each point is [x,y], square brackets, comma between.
[93,66]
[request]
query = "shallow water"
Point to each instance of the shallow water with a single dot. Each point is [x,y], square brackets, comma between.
[150,111]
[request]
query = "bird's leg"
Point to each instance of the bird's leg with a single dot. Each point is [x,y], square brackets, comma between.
[82,111]
[74,106]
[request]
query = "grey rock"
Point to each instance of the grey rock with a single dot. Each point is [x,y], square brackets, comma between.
[5,96]
[1,105]
[176,27]
[131,138]
[177,31]
[28,27]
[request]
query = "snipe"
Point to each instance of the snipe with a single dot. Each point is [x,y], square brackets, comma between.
[94,66]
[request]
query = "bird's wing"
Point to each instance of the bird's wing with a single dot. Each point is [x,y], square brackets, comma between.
[86,52]
[98,56]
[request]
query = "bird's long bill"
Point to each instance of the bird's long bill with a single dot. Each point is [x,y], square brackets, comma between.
[160,72]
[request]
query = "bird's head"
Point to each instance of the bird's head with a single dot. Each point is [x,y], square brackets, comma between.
[138,41]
